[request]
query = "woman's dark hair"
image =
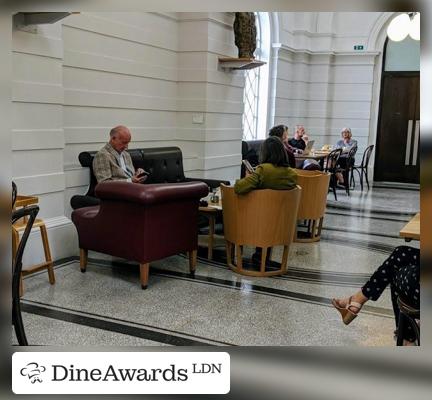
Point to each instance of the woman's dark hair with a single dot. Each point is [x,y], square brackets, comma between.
[273,152]
[278,131]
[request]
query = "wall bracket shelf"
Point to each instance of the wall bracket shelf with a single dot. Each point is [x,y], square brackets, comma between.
[239,63]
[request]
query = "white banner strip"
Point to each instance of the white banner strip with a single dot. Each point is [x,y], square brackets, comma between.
[121,373]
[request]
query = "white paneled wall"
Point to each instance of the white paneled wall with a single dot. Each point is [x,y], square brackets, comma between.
[38,137]
[322,82]
[206,91]
[119,68]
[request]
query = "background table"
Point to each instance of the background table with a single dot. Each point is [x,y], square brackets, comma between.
[211,212]
[412,229]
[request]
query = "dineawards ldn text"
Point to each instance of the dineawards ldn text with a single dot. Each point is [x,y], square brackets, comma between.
[112,374]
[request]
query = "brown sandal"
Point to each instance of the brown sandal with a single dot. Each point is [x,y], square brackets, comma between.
[347,313]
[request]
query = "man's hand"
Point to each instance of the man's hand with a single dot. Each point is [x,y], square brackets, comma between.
[140,176]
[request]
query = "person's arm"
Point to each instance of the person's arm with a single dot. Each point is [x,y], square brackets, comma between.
[249,183]
[102,168]
[291,157]
[339,144]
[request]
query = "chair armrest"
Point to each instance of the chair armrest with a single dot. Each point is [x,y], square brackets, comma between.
[80,201]
[212,183]
[150,194]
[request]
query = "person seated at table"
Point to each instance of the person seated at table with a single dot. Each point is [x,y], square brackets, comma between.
[300,139]
[401,270]
[273,172]
[281,131]
[346,144]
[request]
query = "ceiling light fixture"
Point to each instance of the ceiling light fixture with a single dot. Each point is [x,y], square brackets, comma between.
[404,24]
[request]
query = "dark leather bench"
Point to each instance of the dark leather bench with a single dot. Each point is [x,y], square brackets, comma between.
[250,151]
[165,165]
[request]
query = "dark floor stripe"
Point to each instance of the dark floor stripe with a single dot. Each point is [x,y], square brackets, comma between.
[360,244]
[386,186]
[111,326]
[368,233]
[366,217]
[369,210]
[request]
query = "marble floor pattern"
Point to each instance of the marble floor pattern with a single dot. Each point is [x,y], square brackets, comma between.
[106,306]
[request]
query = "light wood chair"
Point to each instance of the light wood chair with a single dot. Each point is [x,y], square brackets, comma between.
[262,218]
[19,227]
[315,185]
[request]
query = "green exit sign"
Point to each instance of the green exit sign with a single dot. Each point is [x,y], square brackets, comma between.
[358,47]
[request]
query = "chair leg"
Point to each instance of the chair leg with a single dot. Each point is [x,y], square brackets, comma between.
[239,257]
[284,259]
[320,224]
[313,229]
[366,176]
[334,186]
[18,323]
[400,328]
[47,252]
[361,179]
[144,275]
[83,259]
[228,248]
[192,262]
[15,244]
[346,181]
[263,259]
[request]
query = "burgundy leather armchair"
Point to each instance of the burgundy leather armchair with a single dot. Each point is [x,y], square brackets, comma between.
[141,223]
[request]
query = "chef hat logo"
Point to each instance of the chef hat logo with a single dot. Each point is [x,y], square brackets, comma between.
[32,371]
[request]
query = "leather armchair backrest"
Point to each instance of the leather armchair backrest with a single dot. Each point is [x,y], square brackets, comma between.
[86,160]
[255,145]
[165,164]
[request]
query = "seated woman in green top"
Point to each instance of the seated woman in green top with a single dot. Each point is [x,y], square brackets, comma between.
[273,172]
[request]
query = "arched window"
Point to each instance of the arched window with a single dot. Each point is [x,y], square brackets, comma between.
[255,97]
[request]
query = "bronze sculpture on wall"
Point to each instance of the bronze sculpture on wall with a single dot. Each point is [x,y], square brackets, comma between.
[245,34]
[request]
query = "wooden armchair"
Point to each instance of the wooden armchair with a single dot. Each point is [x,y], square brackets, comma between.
[262,218]
[315,185]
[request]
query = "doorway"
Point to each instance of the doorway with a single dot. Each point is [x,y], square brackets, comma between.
[398,134]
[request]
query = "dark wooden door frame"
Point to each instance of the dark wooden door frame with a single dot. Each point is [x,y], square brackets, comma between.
[384,74]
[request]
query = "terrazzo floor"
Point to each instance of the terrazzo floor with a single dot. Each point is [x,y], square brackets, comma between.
[106,306]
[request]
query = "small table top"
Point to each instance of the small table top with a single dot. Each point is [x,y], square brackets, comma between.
[315,155]
[412,229]
[211,207]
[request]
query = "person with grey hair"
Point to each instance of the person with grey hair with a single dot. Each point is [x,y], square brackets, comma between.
[346,144]
[112,162]
[347,141]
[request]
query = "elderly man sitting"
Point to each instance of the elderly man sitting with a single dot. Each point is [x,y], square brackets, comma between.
[112,162]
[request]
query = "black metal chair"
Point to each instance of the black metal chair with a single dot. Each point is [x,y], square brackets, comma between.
[17,322]
[407,316]
[362,169]
[330,166]
[346,163]
[14,193]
